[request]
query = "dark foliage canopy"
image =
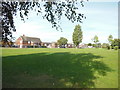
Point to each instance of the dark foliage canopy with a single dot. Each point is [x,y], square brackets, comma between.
[95,39]
[52,11]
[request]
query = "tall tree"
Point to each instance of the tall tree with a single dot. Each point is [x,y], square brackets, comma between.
[77,35]
[62,41]
[95,39]
[110,39]
[52,11]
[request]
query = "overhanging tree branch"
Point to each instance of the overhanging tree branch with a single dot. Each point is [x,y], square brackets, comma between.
[52,11]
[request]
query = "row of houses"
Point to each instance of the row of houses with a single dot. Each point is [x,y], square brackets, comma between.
[25,42]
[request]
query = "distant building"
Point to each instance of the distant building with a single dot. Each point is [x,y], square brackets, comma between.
[29,42]
[49,45]
[83,46]
[90,46]
[46,44]
[25,41]
[69,45]
[54,45]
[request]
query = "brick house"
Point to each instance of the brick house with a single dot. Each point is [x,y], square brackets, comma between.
[25,41]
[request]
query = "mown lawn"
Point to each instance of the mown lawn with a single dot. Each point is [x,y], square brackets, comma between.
[59,68]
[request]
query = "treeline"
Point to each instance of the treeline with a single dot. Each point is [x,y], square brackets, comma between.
[78,36]
[113,43]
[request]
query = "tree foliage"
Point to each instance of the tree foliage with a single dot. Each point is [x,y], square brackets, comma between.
[105,45]
[62,41]
[4,44]
[99,45]
[115,42]
[95,39]
[89,44]
[110,39]
[51,11]
[77,35]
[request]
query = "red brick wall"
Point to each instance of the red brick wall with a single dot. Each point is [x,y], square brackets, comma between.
[25,43]
[18,41]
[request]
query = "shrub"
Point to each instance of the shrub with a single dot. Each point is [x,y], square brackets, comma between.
[36,46]
[89,44]
[116,48]
[111,47]
[43,47]
[105,45]
[29,46]
[108,47]
[94,45]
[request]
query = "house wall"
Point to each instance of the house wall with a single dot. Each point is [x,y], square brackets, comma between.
[18,41]
[53,45]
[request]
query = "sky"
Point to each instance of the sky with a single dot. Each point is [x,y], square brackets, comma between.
[101,20]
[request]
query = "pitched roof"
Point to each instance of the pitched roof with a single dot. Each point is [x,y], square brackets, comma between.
[33,39]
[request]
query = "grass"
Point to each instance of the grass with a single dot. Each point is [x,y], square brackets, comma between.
[59,68]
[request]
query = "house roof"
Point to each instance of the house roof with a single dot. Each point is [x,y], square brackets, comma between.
[33,39]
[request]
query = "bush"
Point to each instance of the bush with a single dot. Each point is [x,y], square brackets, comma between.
[116,48]
[36,46]
[94,45]
[43,47]
[29,46]
[105,45]
[89,44]
[111,47]
[108,47]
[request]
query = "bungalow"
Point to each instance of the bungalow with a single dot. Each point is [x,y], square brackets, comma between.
[46,44]
[54,45]
[49,45]
[83,46]
[25,41]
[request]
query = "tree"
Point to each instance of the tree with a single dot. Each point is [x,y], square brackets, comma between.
[62,41]
[89,44]
[95,39]
[110,39]
[115,42]
[105,45]
[52,11]
[77,35]
[99,45]
[4,44]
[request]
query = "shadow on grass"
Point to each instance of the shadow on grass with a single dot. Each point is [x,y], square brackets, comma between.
[52,70]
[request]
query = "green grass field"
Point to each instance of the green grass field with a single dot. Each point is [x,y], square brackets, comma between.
[59,68]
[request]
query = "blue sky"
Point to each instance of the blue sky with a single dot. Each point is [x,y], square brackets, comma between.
[102,20]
